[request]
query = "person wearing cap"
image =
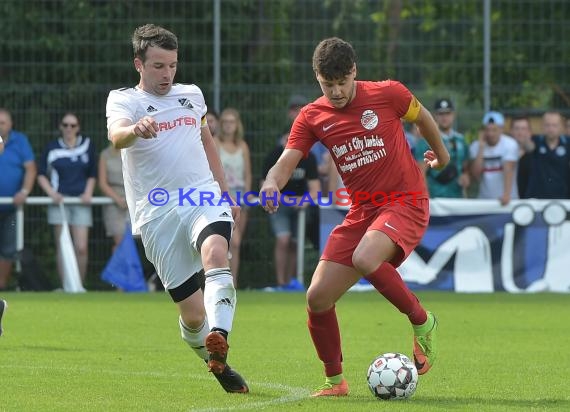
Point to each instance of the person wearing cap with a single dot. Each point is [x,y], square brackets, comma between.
[294,106]
[494,158]
[453,180]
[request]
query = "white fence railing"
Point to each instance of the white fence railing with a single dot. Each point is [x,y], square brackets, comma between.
[42,200]
[102,200]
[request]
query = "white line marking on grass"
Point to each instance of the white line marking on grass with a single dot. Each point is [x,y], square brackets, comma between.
[292,393]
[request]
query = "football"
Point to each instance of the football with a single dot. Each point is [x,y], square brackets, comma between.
[392,376]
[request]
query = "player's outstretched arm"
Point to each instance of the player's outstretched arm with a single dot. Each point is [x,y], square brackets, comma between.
[438,157]
[277,177]
[123,132]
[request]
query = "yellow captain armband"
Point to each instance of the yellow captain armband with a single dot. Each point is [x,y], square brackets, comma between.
[413,110]
[203,121]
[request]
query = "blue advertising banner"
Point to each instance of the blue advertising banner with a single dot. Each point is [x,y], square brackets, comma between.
[479,246]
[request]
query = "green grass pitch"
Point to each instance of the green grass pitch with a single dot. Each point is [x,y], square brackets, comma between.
[118,352]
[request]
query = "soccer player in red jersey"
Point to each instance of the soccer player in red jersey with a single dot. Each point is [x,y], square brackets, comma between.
[360,124]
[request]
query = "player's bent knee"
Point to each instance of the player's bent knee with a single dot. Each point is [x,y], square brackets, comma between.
[362,263]
[193,319]
[223,229]
[215,254]
[317,301]
[213,244]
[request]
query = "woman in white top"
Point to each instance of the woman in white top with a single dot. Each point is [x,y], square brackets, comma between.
[235,157]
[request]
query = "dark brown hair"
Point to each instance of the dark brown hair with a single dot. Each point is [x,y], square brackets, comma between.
[151,35]
[333,58]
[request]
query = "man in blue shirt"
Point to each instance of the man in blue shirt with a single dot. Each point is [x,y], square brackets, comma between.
[18,174]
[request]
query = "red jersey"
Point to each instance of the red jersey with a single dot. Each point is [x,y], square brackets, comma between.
[365,139]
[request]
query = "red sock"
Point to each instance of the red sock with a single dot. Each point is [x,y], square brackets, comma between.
[324,331]
[390,284]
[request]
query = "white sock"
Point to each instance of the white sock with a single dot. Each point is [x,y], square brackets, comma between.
[220,298]
[195,338]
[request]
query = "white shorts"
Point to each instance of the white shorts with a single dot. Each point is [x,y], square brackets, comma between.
[170,240]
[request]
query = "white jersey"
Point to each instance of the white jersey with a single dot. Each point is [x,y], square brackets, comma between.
[154,170]
[494,157]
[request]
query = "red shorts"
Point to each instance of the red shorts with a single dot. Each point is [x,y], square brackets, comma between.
[404,223]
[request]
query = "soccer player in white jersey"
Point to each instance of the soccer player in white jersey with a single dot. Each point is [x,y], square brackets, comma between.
[174,183]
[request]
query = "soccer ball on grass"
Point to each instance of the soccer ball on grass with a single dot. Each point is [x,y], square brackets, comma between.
[392,376]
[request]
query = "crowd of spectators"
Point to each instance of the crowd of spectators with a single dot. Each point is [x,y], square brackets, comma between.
[507,159]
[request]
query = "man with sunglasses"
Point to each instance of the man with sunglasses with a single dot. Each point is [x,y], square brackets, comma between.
[68,167]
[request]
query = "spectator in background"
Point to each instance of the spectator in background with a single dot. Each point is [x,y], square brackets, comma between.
[412,135]
[213,122]
[17,175]
[305,178]
[116,216]
[236,160]
[453,180]
[3,304]
[324,161]
[494,158]
[521,131]
[567,127]
[110,179]
[548,164]
[68,167]
[295,104]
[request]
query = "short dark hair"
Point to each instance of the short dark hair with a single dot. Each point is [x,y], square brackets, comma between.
[333,58]
[151,35]
[519,118]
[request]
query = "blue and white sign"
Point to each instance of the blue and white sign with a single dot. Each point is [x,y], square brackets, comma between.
[478,246]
